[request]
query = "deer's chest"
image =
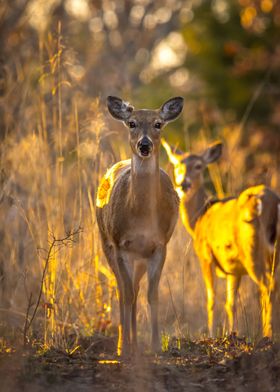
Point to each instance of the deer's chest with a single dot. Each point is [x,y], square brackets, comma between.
[140,221]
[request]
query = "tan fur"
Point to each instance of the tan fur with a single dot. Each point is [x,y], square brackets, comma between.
[137,209]
[233,237]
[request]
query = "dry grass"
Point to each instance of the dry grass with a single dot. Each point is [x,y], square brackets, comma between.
[51,170]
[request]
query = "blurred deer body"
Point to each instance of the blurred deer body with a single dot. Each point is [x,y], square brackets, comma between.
[137,210]
[233,236]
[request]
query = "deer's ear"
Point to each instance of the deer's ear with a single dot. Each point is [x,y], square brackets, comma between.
[212,153]
[171,109]
[118,108]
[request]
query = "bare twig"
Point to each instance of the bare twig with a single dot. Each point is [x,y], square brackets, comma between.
[26,323]
[68,239]
[41,285]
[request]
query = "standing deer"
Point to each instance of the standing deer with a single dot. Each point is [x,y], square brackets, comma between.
[137,209]
[234,237]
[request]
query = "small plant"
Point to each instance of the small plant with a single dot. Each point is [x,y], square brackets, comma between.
[165,339]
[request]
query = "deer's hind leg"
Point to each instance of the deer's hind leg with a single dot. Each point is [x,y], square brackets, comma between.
[257,272]
[266,308]
[268,296]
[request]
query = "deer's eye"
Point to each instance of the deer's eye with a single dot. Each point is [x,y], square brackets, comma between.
[132,124]
[157,125]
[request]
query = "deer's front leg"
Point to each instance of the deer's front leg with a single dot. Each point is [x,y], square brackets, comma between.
[139,271]
[154,268]
[127,298]
[207,271]
[233,282]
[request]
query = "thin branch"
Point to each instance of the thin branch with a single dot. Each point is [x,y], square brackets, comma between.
[69,238]
[41,285]
[26,324]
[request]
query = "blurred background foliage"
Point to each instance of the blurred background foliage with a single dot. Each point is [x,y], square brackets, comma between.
[222,56]
[59,59]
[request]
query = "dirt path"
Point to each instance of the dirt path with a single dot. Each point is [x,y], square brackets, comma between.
[208,365]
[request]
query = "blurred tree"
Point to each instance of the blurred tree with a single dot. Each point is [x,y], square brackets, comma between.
[134,48]
[234,48]
[111,41]
[10,16]
[107,43]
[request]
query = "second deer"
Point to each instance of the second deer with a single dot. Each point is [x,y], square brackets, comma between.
[232,237]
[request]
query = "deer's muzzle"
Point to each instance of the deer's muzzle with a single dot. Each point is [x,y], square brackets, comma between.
[186,184]
[145,147]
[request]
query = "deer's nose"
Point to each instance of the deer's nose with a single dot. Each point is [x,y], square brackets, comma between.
[145,146]
[186,184]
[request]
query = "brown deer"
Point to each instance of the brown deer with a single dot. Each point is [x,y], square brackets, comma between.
[234,236]
[137,209]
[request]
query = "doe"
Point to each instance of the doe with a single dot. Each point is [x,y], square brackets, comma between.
[232,237]
[137,209]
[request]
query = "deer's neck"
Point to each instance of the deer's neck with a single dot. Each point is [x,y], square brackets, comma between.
[145,183]
[193,205]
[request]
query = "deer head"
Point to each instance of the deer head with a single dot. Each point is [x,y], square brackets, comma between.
[189,168]
[145,125]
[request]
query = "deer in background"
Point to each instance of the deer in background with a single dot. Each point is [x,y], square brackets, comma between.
[137,209]
[232,237]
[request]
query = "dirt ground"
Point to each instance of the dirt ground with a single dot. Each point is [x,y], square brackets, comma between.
[228,364]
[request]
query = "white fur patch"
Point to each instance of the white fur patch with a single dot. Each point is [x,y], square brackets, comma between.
[259,207]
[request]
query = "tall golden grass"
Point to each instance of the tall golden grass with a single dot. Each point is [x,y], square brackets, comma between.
[51,171]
